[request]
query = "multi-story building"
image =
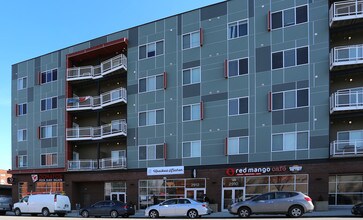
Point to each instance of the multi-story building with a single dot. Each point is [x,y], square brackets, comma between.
[231,100]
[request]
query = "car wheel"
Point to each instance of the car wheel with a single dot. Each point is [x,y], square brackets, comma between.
[114,214]
[85,214]
[192,213]
[45,212]
[244,212]
[296,212]
[153,214]
[17,212]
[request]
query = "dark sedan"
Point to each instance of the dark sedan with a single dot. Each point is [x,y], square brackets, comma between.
[108,208]
[358,209]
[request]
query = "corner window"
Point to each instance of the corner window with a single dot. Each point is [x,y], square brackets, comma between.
[151,83]
[237,145]
[153,117]
[22,83]
[192,149]
[238,106]
[289,17]
[191,76]
[48,159]
[48,104]
[22,135]
[151,152]
[237,29]
[191,40]
[291,57]
[48,131]
[151,50]
[238,67]
[49,76]
[290,141]
[191,112]
[290,99]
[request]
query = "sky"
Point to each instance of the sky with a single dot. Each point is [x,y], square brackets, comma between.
[32,28]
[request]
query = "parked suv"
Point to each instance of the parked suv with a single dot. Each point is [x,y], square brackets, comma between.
[293,204]
[5,204]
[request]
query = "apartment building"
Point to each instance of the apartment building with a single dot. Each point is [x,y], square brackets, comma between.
[232,100]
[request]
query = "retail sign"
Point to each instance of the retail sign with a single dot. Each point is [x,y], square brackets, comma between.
[255,171]
[154,171]
[48,177]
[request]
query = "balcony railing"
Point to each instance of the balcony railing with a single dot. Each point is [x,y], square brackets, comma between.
[101,164]
[346,55]
[96,72]
[346,148]
[346,100]
[345,10]
[97,102]
[115,128]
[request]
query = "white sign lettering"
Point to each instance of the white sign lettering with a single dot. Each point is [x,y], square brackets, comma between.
[153,171]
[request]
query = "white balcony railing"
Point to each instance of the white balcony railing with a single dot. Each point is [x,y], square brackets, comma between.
[101,164]
[346,55]
[96,72]
[346,100]
[97,102]
[346,148]
[115,128]
[345,10]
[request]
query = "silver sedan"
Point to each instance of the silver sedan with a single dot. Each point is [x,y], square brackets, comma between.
[178,207]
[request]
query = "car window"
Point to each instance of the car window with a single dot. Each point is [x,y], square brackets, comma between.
[25,199]
[170,202]
[267,196]
[282,195]
[98,204]
[183,201]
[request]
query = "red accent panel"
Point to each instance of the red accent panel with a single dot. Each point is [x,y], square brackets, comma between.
[201,111]
[38,78]
[226,69]
[165,80]
[226,146]
[269,103]
[165,151]
[201,35]
[16,110]
[269,21]
[16,161]
[38,132]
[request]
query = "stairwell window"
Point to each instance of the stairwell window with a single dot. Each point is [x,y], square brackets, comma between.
[151,49]
[151,152]
[49,159]
[237,29]
[192,149]
[191,40]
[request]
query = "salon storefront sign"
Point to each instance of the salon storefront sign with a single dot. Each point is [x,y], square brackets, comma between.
[154,171]
[255,171]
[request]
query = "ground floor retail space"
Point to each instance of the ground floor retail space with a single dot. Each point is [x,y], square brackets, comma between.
[339,182]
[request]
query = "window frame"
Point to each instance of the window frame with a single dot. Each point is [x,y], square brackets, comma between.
[284,99]
[21,109]
[190,79]
[190,40]
[50,99]
[295,133]
[149,77]
[295,16]
[191,112]
[147,152]
[46,127]
[295,58]
[239,147]
[238,98]
[22,80]
[191,149]
[147,112]
[46,159]
[242,21]
[21,159]
[147,45]
[22,135]
[238,67]
[46,76]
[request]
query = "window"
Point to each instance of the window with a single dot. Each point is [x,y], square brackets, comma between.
[22,135]
[191,112]
[191,76]
[238,106]
[291,57]
[48,131]
[151,50]
[49,76]
[288,17]
[192,149]
[290,99]
[22,109]
[191,40]
[153,117]
[151,152]
[49,159]
[22,83]
[290,141]
[237,145]
[151,83]
[238,67]
[237,29]
[48,103]
[22,160]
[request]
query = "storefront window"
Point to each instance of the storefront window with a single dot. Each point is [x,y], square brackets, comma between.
[49,187]
[114,187]
[345,190]
[23,189]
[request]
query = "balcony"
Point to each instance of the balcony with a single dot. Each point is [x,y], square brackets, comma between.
[115,128]
[346,100]
[353,148]
[343,12]
[101,164]
[96,72]
[97,102]
[346,56]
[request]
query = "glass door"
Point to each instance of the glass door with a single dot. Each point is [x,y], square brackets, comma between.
[195,193]
[232,195]
[118,196]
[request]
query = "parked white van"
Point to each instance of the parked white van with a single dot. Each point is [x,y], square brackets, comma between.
[44,204]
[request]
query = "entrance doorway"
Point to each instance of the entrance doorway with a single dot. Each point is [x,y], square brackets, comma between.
[232,195]
[195,193]
[118,196]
